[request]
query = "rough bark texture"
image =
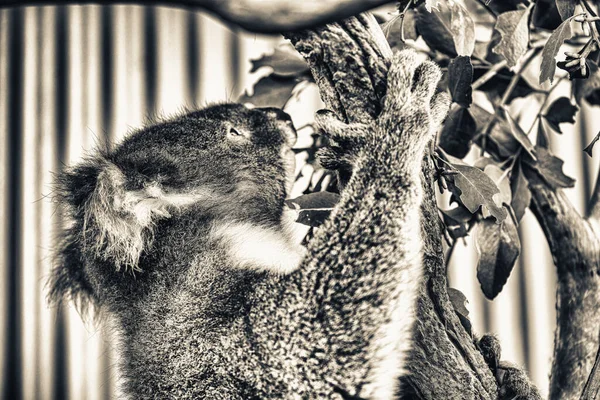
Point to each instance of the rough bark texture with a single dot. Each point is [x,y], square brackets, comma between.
[349,61]
[591,391]
[266,16]
[575,246]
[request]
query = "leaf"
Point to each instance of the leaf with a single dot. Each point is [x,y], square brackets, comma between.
[500,178]
[447,28]
[501,6]
[545,15]
[460,77]
[272,91]
[314,200]
[499,83]
[500,142]
[394,28]
[459,302]
[498,246]
[520,135]
[314,208]
[588,89]
[457,133]
[434,32]
[549,168]
[514,29]
[284,60]
[475,189]
[561,111]
[521,195]
[455,220]
[566,8]
[541,139]
[562,33]
[588,149]
[463,29]
[431,4]
[483,162]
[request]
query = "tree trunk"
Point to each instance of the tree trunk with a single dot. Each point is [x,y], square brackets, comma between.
[349,62]
[575,246]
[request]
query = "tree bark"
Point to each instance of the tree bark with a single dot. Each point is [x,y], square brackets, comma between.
[261,16]
[575,246]
[349,62]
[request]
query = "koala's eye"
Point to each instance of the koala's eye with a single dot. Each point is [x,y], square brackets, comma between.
[237,134]
[234,132]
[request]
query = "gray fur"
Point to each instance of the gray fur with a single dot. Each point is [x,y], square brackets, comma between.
[194,323]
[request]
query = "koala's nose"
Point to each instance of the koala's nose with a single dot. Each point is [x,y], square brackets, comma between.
[284,123]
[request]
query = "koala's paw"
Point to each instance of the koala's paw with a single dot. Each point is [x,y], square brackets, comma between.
[515,384]
[411,104]
[344,142]
[512,380]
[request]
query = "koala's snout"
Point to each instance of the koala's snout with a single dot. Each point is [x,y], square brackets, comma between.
[284,123]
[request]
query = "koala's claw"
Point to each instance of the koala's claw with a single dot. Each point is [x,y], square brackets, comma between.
[412,112]
[512,380]
[515,384]
[411,102]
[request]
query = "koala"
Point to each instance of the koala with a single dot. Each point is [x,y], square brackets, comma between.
[179,236]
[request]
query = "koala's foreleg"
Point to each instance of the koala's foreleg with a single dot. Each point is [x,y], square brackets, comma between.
[348,310]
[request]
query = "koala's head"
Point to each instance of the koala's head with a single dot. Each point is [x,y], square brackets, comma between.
[225,161]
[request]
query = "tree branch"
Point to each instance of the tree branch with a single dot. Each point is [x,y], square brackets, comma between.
[575,246]
[264,16]
[349,62]
[595,202]
[591,391]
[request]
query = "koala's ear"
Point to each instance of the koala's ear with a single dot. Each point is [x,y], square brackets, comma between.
[68,280]
[115,223]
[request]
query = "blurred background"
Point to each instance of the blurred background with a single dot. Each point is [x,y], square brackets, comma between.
[74,78]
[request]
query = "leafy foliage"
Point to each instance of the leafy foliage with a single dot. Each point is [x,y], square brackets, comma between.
[474,190]
[498,247]
[447,28]
[551,49]
[274,90]
[484,77]
[313,208]
[460,77]
[561,111]
[458,132]
[566,8]
[513,27]
[549,168]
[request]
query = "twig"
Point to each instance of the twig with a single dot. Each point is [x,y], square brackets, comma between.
[545,102]
[489,74]
[485,5]
[402,15]
[515,79]
[594,205]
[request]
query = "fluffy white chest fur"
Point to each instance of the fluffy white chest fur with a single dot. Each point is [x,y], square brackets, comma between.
[261,248]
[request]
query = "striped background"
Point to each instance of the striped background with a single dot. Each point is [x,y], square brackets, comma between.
[75,77]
